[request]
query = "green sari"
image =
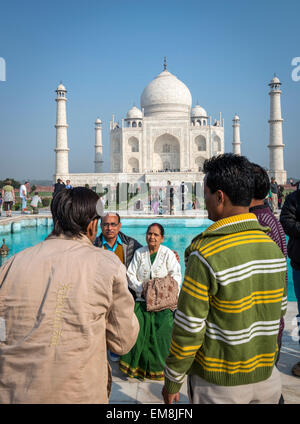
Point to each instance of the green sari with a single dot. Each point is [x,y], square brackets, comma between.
[147,358]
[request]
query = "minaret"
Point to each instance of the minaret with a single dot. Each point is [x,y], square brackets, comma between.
[62,161]
[236,142]
[276,166]
[98,146]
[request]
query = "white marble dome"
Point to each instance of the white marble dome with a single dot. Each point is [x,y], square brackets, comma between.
[61,87]
[98,121]
[275,80]
[166,95]
[134,113]
[198,112]
[236,118]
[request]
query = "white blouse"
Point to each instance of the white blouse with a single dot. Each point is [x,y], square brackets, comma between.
[140,268]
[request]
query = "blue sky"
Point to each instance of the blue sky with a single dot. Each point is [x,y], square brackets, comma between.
[106,52]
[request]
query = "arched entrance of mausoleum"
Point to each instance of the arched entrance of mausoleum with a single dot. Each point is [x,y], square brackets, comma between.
[166,155]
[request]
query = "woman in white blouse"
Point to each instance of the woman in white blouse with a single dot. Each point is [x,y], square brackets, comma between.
[147,358]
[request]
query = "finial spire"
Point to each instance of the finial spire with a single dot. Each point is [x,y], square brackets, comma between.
[165,63]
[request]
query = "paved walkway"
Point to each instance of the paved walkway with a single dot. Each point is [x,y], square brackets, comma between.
[133,391]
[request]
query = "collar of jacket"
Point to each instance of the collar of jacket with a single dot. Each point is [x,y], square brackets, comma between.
[125,239]
[259,207]
[234,224]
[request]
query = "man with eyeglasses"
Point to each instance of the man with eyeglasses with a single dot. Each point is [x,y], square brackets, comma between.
[114,240]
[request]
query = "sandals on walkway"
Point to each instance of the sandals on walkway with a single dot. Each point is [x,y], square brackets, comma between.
[296,369]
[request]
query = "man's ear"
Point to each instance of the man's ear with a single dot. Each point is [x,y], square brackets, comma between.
[92,229]
[220,196]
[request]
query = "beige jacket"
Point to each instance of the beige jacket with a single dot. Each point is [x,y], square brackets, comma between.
[63,302]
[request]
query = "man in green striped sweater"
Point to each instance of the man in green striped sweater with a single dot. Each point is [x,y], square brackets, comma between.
[231,301]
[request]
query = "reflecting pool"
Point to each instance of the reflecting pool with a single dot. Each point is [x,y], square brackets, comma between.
[178,235]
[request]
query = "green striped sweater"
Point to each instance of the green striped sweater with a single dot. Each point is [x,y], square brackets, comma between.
[229,308]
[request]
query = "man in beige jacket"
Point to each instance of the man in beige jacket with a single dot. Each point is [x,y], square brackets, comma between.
[63,302]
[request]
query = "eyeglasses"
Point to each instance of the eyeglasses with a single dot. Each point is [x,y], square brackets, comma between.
[112,224]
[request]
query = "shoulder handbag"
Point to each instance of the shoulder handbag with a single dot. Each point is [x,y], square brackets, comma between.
[160,293]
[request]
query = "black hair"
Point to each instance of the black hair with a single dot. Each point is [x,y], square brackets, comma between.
[72,211]
[161,228]
[233,174]
[112,214]
[261,182]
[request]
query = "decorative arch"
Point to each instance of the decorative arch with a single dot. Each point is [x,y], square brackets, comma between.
[133,165]
[133,142]
[217,144]
[116,146]
[199,161]
[200,142]
[166,165]
[166,152]
[134,125]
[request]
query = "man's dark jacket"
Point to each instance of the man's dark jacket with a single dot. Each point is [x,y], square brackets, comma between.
[57,188]
[130,245]
[290,221]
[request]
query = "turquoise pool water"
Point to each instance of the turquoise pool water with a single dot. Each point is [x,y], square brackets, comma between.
[178,235]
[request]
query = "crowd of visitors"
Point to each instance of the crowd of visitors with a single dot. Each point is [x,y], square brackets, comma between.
[76,299]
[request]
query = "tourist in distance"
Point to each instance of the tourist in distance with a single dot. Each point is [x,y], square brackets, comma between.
[280,196]
[183,190]
[68,184]
[267,219]
[58,186]
[147,358]
[62,303]
[8,196]
[35,202]
[23,195]
[114,240]
[290,221]
[170,198]
[274,191]
[231,301]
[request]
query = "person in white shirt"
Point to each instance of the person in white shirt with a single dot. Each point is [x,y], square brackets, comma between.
[23,195]
[34,202]
[147,358]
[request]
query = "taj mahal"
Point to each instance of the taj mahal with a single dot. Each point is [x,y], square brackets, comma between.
[165,139]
